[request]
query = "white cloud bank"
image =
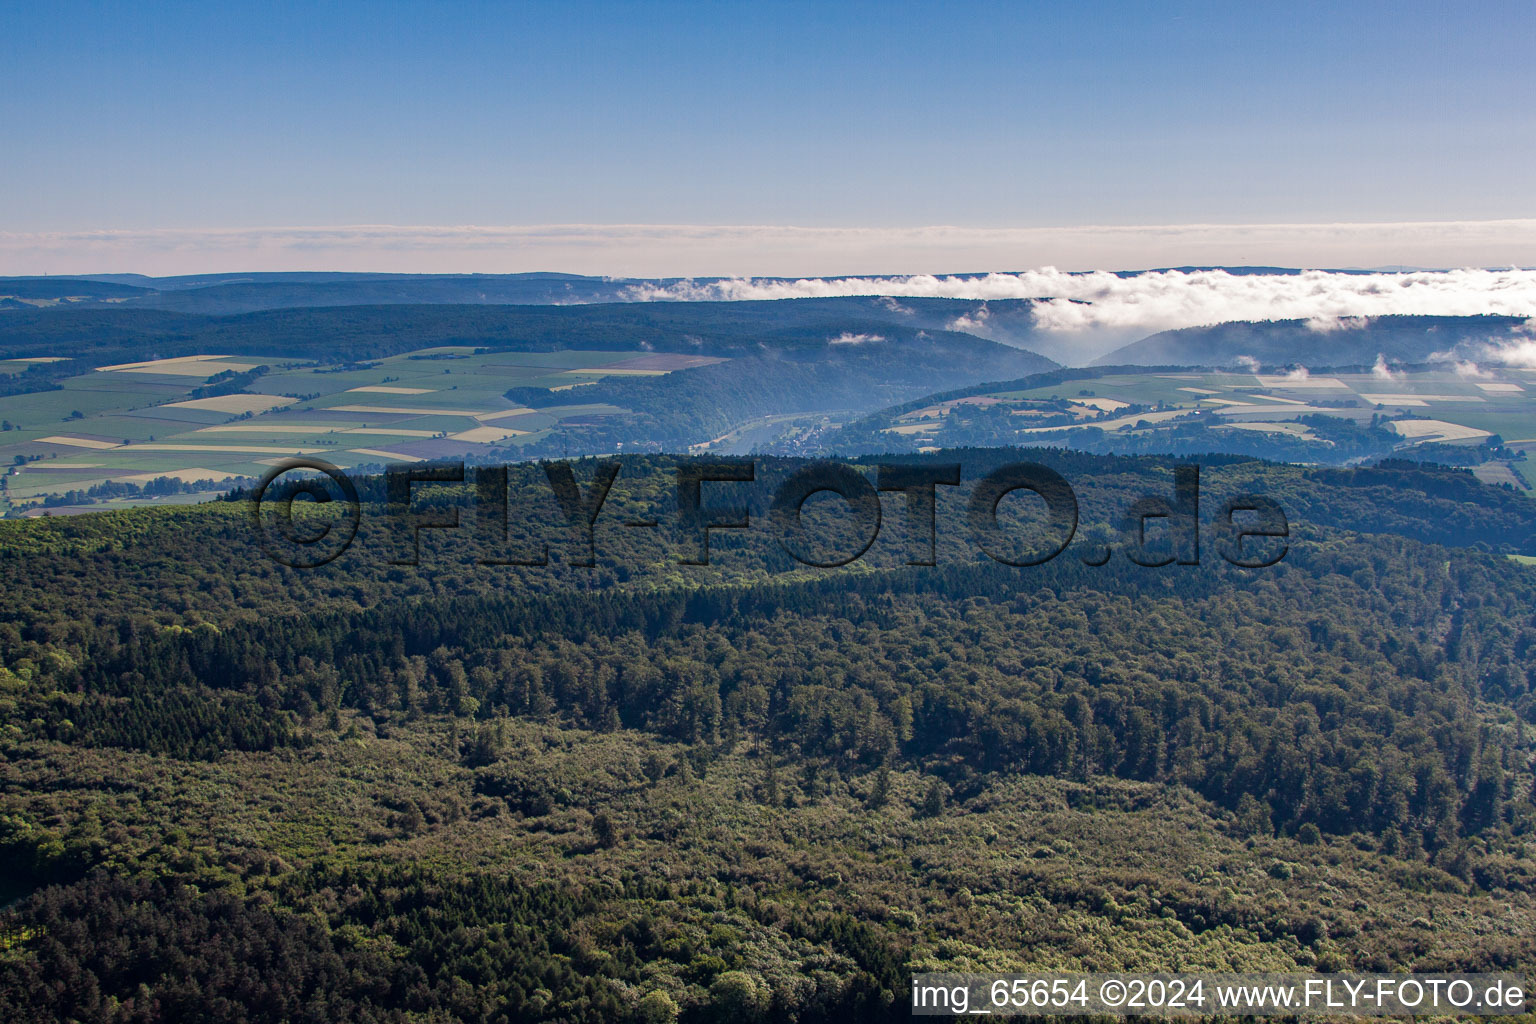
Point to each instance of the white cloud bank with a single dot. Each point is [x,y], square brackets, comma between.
[1105,302]
[1517,350]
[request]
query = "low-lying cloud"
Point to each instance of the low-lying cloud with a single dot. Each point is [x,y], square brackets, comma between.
[1519,349]
[1161,300]
[1329,324]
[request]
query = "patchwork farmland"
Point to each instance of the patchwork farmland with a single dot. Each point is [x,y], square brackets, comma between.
[1409,410]
[137,422]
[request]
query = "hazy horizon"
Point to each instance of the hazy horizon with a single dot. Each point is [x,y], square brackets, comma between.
[667,250]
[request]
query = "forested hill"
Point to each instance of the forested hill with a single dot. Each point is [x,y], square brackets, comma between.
[18,293]
[245,293]
[106,335]
[754,790]
[1008,320]
[1350,341]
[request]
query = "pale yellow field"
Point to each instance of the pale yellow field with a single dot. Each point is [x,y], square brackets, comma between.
[385,389]
[485,417]
[77,442]
[395,410]
[186,366]
[1436,429]
[235,404]
[387,432]
[160,362]
[387,456]
[488,435]
[223,448]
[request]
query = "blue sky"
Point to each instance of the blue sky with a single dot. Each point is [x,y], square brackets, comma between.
[149,117]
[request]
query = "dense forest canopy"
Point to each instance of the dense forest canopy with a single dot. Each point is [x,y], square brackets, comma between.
[756,789]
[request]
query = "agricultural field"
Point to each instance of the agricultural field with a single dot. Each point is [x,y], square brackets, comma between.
[137,422]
